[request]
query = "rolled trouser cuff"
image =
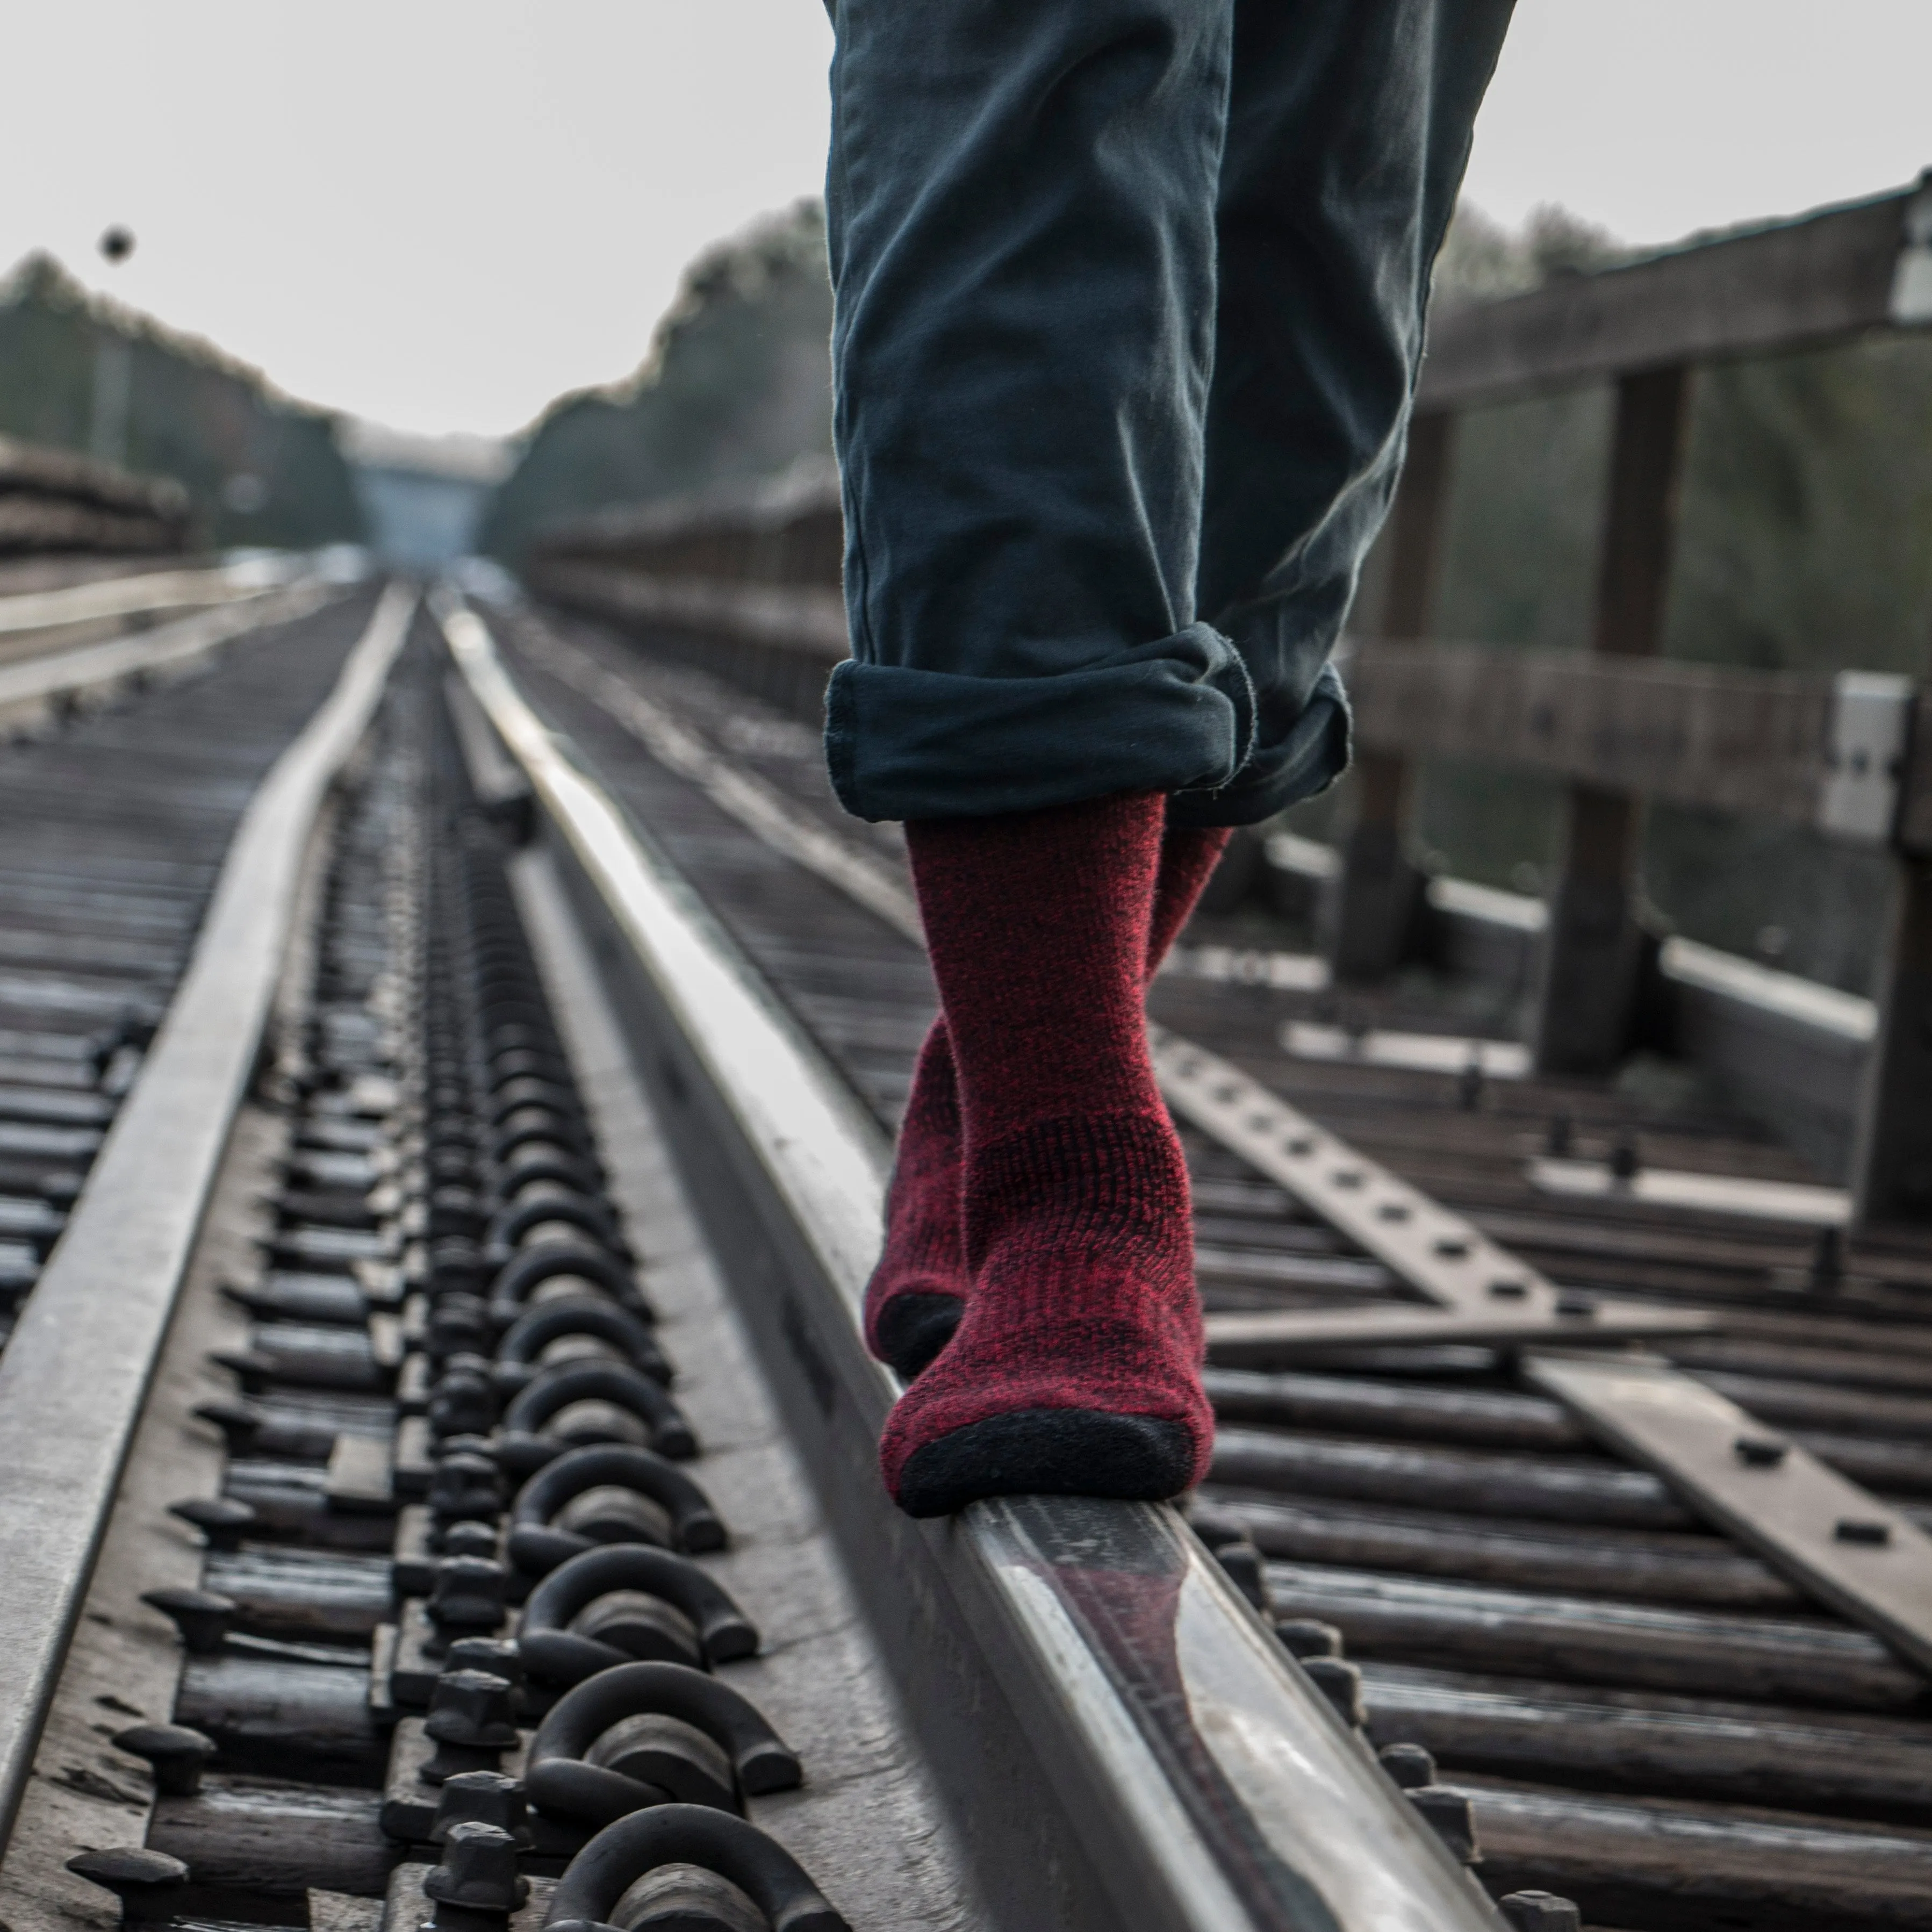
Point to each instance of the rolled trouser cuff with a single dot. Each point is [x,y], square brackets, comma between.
[1177,715]
[1305,759]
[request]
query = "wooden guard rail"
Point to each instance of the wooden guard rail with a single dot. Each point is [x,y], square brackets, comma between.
[746,583]
[53,500]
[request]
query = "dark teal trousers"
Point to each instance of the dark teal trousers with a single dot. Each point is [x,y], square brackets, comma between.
[1130,300]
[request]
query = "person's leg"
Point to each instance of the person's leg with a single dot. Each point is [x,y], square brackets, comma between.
[1021,210]
[1348,129]
[1025,282]
[1076,1364]
[918,1290]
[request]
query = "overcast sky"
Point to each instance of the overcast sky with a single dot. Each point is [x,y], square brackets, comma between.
[439,214]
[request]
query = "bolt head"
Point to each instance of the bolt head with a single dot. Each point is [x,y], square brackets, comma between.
[202,1616]
[130,1871]
[469,1538]
[1341,1684]
[479,1870]
[175,1753]
[222,1520]
[470,1594]
[464,1484]
[1873,1535]
[482,1798]
[1305,1637]
[497,1657]
[1411,1766]
[1452,1818]
[474,1708]
[1243,1562]
[1539,1912]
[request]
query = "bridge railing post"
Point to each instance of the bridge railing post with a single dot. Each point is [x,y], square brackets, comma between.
[1593,947]
[1891,1154]
[1375,902]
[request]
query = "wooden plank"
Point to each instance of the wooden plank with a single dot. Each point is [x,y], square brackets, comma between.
[1593,946]
[1914,830]
[1448,1625]
[1891,1160]
[1728,740]
[1783,1755]
[1820,278]
[1665,1861]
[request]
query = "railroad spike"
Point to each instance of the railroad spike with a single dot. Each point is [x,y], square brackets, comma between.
[201,1616]
[176,1755]
[223,1520]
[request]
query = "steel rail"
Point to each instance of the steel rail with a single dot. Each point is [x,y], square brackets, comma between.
[76,1372]
[153,590]
[1083,1673]
[31,686]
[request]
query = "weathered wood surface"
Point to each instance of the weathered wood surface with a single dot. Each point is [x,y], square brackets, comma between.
[266,1713]
[1757,1754]
[1743,741]
[305,1595]
[1563,1489]
[1595,1640]
[1483,1418]
[1474,1418]
[1680,1867]
[29,467]
[1640,1566]
[255,1835]
[30,524]
[1815,280]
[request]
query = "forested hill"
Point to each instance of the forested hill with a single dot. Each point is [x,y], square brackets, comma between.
[260,468]
[737,383]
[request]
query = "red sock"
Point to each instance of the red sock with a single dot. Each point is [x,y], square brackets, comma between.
[919,1285]
[918,1290]
[1188,854]
[1075,1367]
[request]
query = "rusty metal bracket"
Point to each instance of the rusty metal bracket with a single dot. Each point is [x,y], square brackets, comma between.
[1473,1289]
[1836,1542]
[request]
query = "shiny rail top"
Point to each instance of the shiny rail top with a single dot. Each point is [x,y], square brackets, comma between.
[1210,1781]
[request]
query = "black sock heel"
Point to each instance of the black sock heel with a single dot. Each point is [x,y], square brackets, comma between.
[1048,1452]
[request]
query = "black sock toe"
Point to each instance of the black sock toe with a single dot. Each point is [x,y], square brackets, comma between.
[912,1328]
[1064,1452]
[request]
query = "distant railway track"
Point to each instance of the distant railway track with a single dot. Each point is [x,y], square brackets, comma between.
[436,1438]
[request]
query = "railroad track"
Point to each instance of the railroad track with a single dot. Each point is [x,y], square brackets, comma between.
[1661,1717]
[438,1447]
